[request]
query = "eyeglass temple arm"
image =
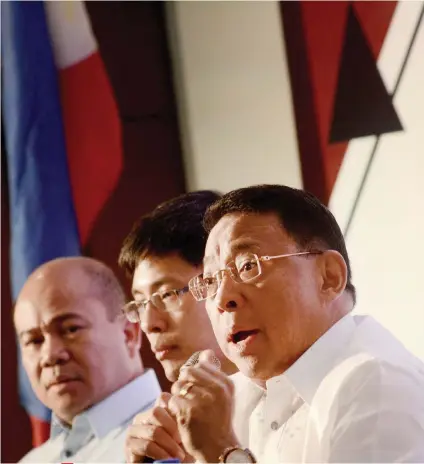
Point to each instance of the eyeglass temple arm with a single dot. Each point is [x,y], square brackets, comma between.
[269,258]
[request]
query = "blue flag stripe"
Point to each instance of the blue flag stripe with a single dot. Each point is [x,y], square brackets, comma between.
[43,222]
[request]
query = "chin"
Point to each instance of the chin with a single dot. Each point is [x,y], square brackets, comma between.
[251,367]
[172,371]
[66,410]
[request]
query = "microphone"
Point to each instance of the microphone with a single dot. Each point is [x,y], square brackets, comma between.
[194,359]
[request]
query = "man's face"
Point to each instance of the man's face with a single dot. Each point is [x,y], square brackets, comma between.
[174,336]
[275,317]
[74,355]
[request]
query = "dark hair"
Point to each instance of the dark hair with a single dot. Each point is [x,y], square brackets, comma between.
[175,226]
[302,215]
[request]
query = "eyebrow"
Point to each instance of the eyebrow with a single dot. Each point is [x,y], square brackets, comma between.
[56,320]
[237,247]
[245,245]
[155,285]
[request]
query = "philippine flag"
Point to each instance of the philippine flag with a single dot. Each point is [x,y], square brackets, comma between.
[63,142]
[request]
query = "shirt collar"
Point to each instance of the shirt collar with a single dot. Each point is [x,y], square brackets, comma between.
[117,408]
[306,374]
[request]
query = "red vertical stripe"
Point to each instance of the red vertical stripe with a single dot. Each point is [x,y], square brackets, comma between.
[40,430]
[93,138]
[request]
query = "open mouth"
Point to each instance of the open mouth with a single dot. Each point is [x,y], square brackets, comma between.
[242,335]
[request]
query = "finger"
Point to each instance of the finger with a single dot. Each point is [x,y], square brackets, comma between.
[180,386]
[200,368]
[130,457]
[148,432]
[139,438]
[142,417]
[163,418]
[215,373]
[177,405]
[208,356]
[163,399]
[204,376]
[137,449]
[176,388]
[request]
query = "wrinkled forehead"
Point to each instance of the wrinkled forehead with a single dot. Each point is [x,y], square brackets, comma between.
[152,272]
[44,297]
[33,312]
[238,232]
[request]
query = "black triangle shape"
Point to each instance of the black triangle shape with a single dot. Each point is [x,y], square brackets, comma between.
[362,104]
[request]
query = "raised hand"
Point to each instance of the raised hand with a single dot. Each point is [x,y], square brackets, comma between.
[154,433]
[202,404]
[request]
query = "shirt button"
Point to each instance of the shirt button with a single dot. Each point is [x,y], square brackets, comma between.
[67,453]
[274,425]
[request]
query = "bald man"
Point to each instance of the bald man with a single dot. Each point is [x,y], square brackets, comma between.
[82,359]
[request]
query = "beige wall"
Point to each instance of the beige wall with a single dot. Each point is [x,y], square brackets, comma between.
[233,93]
[237,127]
[386,240]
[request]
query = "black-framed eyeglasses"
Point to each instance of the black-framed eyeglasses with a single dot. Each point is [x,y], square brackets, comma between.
[167,301]
[245,268]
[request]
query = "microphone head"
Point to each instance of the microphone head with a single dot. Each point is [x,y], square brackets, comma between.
[194,359]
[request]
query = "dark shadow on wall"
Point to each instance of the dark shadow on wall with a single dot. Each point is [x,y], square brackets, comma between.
[137,59]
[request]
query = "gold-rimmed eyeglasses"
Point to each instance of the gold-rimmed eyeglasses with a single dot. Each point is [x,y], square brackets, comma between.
[245,268]
[167,301]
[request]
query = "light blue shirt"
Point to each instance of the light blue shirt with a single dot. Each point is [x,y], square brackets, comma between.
[98,434]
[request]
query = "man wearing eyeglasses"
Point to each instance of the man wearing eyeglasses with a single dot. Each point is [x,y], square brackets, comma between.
[316,384]
[161,254]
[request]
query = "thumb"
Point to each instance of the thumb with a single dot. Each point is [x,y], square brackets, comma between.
[210,357]
[163,400]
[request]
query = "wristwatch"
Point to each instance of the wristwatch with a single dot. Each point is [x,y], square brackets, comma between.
[235,454]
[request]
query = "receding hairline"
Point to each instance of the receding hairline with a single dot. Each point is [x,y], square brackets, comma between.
[106,285]
[247,242]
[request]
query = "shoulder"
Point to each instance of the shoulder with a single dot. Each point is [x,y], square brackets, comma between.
[364,393]
[376,399]
[374,356]
[364,373]
[374,382]
[381,370]
[42,453]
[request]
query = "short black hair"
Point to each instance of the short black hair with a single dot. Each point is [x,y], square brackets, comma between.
[175,226]
[302,215]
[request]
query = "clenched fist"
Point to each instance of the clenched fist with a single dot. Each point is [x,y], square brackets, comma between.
[154,433]
[202,404]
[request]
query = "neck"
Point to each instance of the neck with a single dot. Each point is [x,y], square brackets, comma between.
[227,366]
[339,312]
[135,372]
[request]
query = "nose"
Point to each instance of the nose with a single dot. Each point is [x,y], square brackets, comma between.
[54,351]
[153,320]
[228,297]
